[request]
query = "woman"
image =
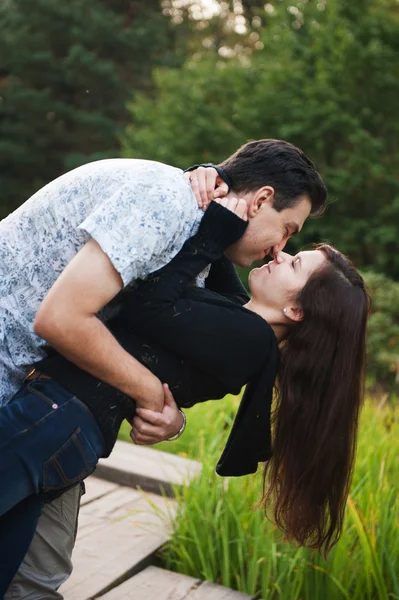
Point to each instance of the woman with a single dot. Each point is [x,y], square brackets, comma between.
[204,345]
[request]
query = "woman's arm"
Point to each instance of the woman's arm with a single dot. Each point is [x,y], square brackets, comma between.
[220,228]
[223,279]
[217,336]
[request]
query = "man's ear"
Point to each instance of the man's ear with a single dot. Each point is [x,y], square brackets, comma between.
[264,195]
[294,313]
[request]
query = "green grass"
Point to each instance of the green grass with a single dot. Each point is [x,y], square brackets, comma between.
[220,537]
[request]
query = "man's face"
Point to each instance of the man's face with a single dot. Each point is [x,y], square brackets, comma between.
[268,230]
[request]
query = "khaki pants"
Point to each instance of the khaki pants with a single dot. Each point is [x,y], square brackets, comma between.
[47,564]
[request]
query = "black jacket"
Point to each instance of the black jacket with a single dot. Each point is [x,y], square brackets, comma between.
[202,342]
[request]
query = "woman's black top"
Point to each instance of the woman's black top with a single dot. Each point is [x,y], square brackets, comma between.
[202,342]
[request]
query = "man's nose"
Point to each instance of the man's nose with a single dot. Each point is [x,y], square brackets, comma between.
[278,249]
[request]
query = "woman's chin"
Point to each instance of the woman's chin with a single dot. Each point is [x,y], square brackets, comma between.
[252,274]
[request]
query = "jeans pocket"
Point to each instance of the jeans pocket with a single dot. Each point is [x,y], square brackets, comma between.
[73,462]
[37,388]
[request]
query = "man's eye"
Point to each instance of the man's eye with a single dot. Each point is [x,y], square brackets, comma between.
[287,233]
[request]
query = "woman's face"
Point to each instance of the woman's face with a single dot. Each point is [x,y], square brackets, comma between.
[276,283]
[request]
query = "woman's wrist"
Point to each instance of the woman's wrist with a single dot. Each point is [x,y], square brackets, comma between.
[181,430]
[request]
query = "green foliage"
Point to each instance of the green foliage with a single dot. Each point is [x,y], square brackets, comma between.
[383,331]
[221,537]
[325,80]
[66,72]
[192,113]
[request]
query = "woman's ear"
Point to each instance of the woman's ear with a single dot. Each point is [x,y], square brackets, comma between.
[293,313]
[265,195]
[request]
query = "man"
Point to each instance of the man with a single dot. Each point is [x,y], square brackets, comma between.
[69,250]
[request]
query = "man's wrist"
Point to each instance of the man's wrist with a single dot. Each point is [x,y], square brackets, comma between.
[147,391]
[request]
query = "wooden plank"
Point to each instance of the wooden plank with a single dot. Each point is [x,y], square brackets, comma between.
[96,488]
[150,469]
[117,542]
[211,591]
[106,509]
[166,585]
[154,583]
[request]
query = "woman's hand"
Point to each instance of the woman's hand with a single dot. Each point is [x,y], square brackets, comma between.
[149,427]
[206,185]
[238,206]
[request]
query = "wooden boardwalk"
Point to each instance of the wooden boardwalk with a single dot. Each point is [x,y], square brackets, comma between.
[121,529]
[158,584]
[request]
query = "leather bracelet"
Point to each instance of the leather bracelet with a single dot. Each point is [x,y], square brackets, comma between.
[182,428]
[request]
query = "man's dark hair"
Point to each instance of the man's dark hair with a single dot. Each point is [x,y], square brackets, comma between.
[280,165]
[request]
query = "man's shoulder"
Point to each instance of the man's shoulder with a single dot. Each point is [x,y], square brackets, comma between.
[159,189]
[91,184]
[104,177]
[129,170]
[139,178]
[151,173]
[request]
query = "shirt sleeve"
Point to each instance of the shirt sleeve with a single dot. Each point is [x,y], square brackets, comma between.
[143,224]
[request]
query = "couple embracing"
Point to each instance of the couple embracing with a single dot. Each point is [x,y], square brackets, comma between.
[119,299]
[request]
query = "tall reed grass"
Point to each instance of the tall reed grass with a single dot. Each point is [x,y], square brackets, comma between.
[220,537]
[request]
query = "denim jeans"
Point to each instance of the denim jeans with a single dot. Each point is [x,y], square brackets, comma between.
[49,441]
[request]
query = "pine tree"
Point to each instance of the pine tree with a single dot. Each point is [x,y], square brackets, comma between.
[67,70]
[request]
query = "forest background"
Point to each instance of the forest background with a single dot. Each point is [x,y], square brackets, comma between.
[185,82]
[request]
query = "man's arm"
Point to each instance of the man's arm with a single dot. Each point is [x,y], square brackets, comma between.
[67,320]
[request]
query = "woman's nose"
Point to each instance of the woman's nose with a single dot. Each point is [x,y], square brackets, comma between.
[280,257]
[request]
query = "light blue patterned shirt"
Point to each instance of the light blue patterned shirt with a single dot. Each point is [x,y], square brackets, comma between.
[140,212]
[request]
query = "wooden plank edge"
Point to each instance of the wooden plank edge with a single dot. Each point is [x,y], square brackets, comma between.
[199,588]
[137,568]
[153,571]
[136,480]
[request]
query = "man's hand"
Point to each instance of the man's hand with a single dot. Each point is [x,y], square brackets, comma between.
[149,427]
[206,185]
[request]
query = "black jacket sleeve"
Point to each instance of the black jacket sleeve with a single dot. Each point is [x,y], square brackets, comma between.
[218,230]
[217,336]
[223,279]
[250,439]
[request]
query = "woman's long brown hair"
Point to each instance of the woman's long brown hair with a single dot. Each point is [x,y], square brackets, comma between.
[319,395]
